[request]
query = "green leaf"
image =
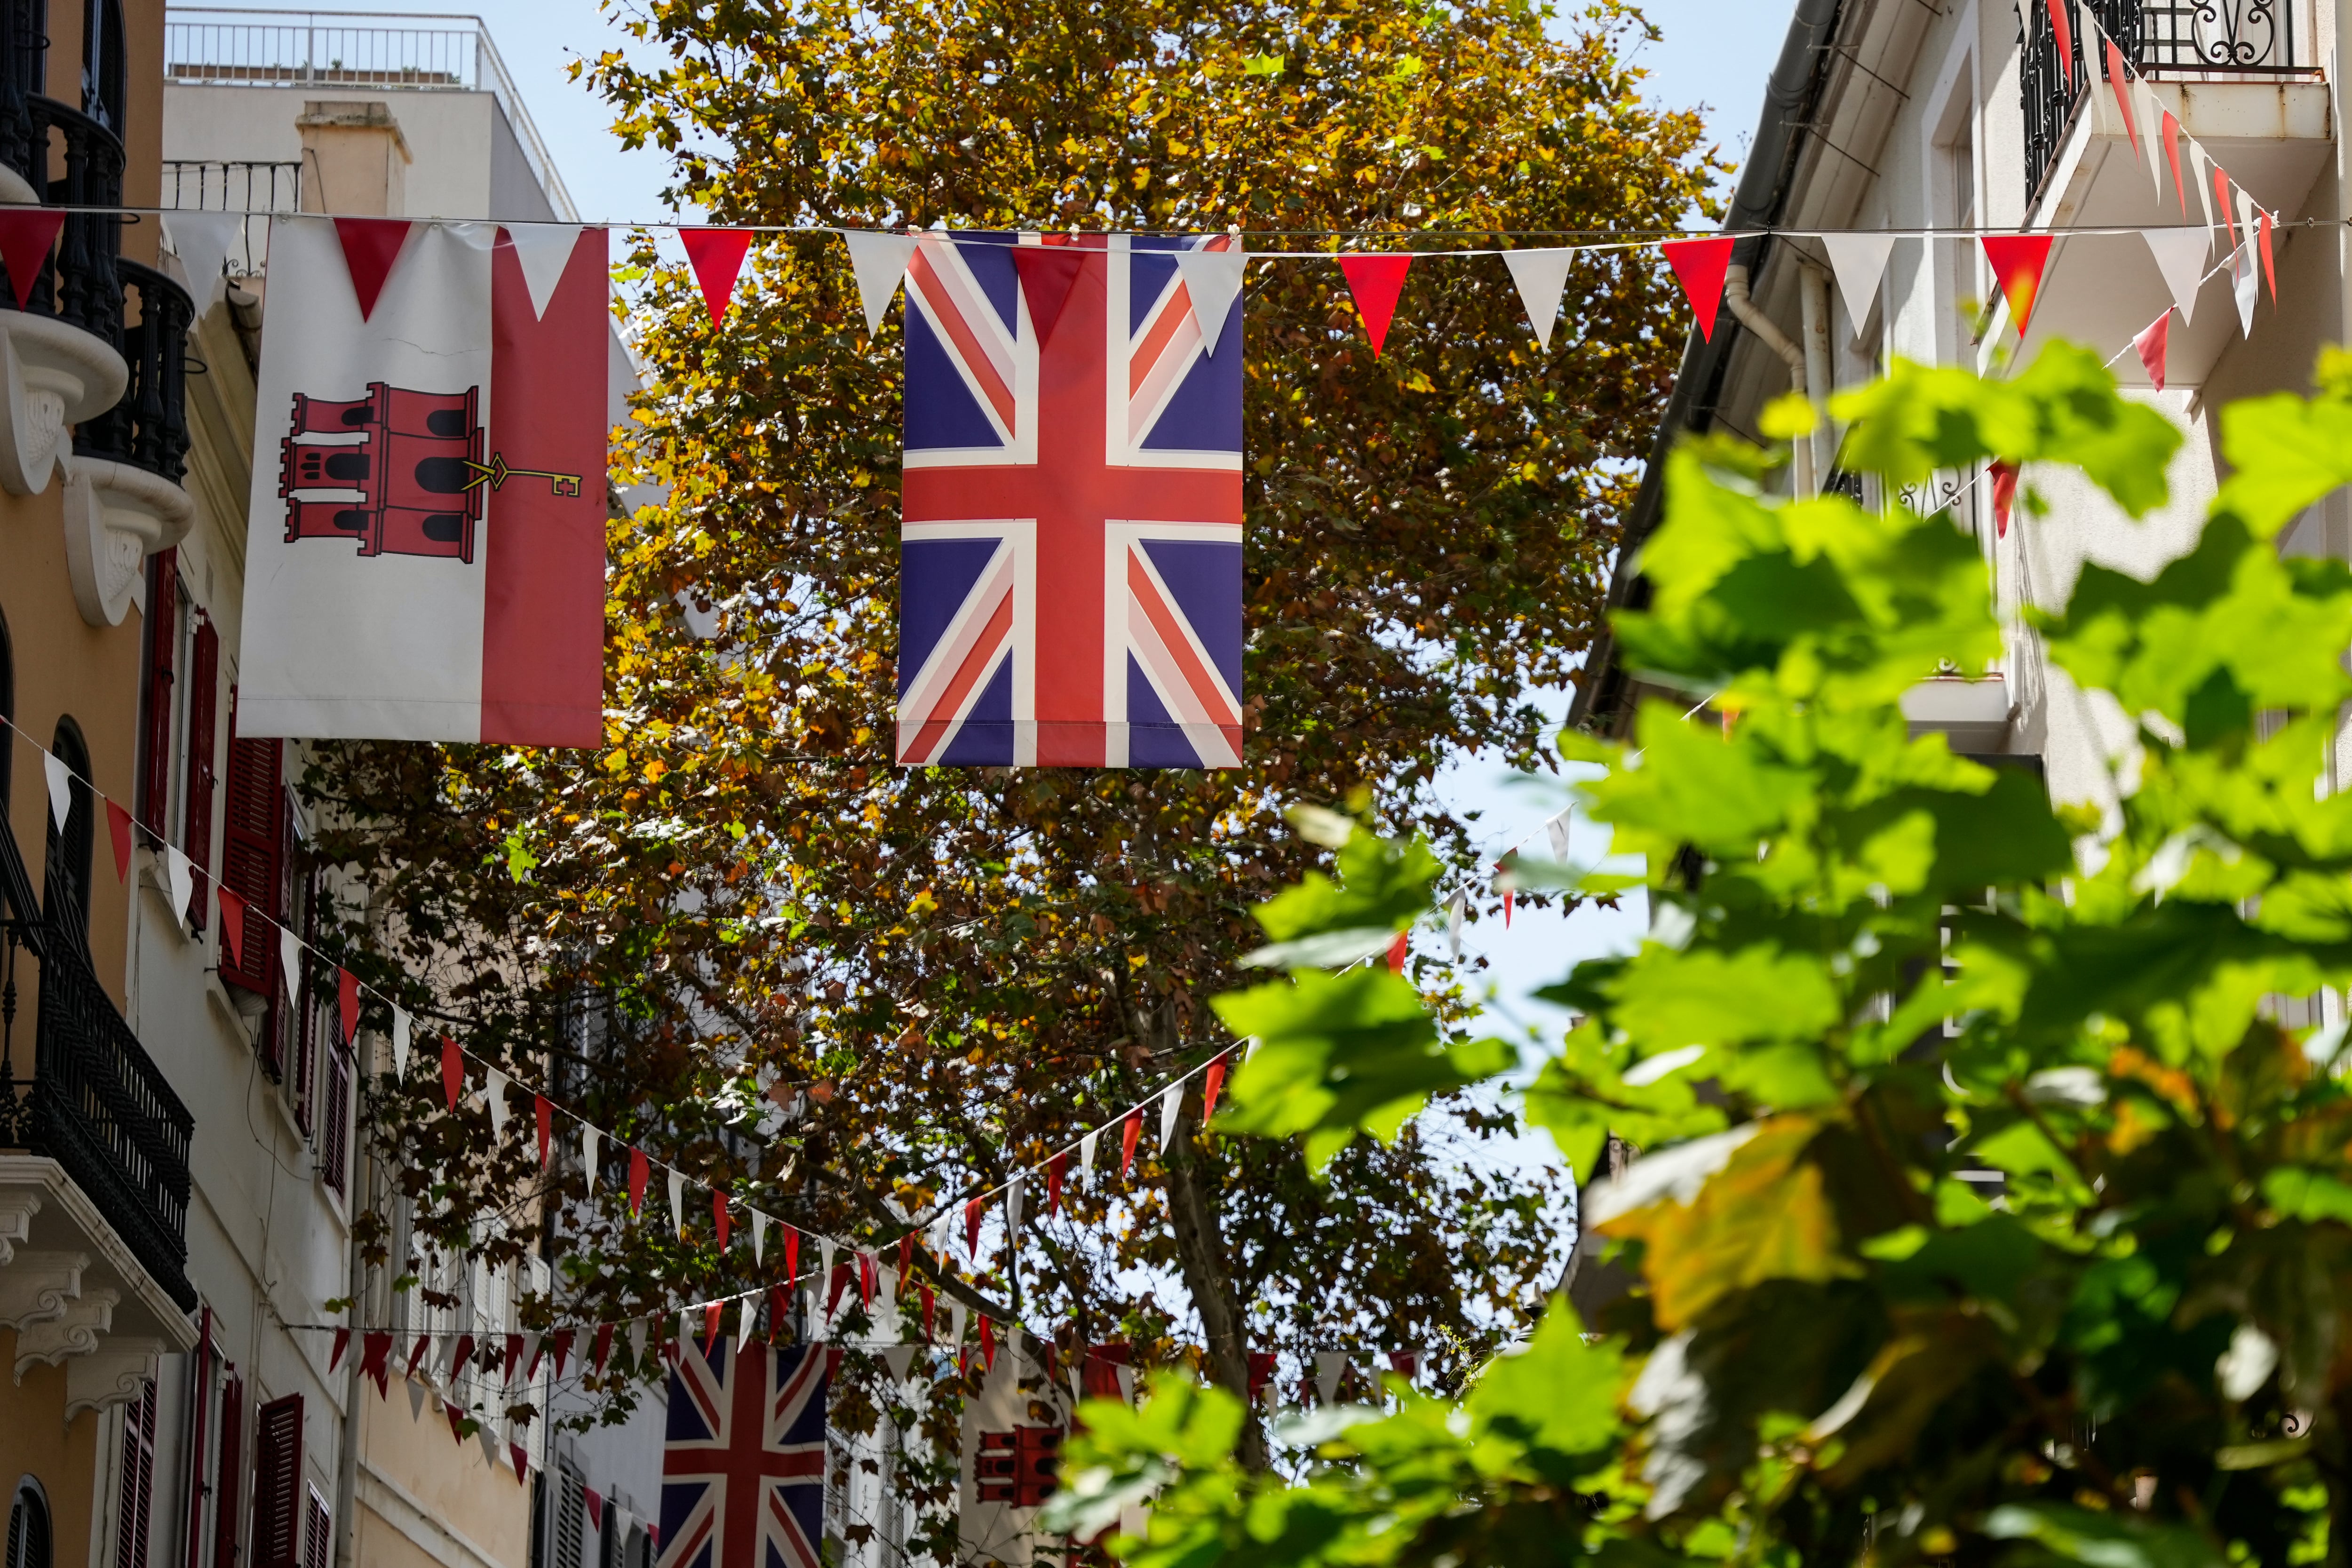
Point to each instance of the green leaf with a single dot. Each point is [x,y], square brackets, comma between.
[1558,1395]
[2068,1534]
[1383,883]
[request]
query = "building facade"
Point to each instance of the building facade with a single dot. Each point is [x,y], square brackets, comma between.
[1933,122]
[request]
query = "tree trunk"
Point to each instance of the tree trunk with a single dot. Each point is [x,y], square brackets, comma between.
[1201,1253]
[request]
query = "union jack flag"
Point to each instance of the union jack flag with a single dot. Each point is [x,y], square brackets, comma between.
[743,1471]
[1070,586]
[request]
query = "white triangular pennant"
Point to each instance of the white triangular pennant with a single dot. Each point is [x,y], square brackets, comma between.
[490,1442]
[588,1136]
[758,1236]
[2245,281]
[677,1203]
[415,1400]
[2152,137]
[1556,831]
[1171,1100]
[290,960]
[201,241]
[900,1359]
[637,1343]
[881,261]
[825,1247]
[400,1027]
[1454,907]
[2245,211]
[1087,1158]
[1213,281]
[1012,1213]
[2203,178]
[2180,254]
[530,1353]
[1858,262]
[61,779]
[545,250]
[495,1092]
[958,1315]
[1541,275]
[182,876]
[1329,1367]
[747,1317]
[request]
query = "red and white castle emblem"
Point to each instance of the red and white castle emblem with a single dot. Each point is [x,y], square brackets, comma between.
[399,472]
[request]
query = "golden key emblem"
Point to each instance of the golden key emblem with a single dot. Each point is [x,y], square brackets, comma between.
[495,473]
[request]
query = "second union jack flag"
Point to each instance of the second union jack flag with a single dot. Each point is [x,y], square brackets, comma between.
[1070,592]
[744,1470]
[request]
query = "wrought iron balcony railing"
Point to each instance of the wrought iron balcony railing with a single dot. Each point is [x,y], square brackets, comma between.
[2158,38]
[96,1102]
[149,428]
[70,160]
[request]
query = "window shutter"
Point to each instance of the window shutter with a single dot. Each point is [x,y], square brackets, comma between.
[228,1476]
[204,702]
[301,1031]
[277,1484]
[317,1547]
[137,1486]
[334,1129]
[253,813]
[571,1520]
[156,698]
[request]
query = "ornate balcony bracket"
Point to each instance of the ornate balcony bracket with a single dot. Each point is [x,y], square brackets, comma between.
[110,1375]
[116,517]
[38,1286]
[51,375]
[76,1332]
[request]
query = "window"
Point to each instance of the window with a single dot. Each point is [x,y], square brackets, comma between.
[228,1474]
[568,1538]
[65,888]
[105,84]
[28,1528]
[277,1485]
[335,1118]
[251,864]
[137,1479]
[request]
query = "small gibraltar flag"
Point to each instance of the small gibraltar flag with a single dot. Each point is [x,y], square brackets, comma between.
[425,553]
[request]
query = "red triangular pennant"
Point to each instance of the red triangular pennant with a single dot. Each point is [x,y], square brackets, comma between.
[779,1307]
[866,1281]
[717,256]
[1054,1168]
[2065,32]
[988,1342]
[347,999]
[595,1501]
[971,1217]
[2222,200]
[342,1343]
[639,1171]
[457,1423]
[1699,266]
[1398,950]
[522,1459]
[118,821]
[906,1260]
[1211,1081]
[720,1219]
[2017,263]
[453,1071]
[1375,281]
[2269,272]
[2004,496]
[2172,155]
[2122,93]
[931,1309]
[2151,345]
[513,1355]
[792,1253]
[713,1313]
[602,1348]
[1128,1137]
[371,246]
[834,1287]
[27,237]
[232,908]
[375,1354]
[1047,272]
[545,1109]
[562,1349]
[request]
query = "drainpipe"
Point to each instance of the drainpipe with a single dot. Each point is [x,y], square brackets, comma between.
[364,1184]
[1814,288]
[1743,308]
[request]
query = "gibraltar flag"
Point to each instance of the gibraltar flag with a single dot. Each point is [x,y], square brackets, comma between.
[425,557]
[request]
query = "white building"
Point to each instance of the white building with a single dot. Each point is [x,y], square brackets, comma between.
[1894,115]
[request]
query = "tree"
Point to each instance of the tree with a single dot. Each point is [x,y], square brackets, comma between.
[1901,972]
[952,973]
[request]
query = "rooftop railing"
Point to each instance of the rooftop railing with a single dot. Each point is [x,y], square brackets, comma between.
[218,47]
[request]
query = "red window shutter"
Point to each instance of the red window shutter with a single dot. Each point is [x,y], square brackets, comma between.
[203,687]
[156,697]
[132,1517]
[277,1485]
[228,1476]
[254,812]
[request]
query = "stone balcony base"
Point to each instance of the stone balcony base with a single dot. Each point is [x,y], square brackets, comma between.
[73,1291]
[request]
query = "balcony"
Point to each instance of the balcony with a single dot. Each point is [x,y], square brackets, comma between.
[2245,79]
[123,497]
[94,1180]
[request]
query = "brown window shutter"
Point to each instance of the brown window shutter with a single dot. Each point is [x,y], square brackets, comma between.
[277,1484]
[204,703]
[301,1026]
[228,1476]
[335,1117]
[132,1517]
[156,696]
[253,811]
